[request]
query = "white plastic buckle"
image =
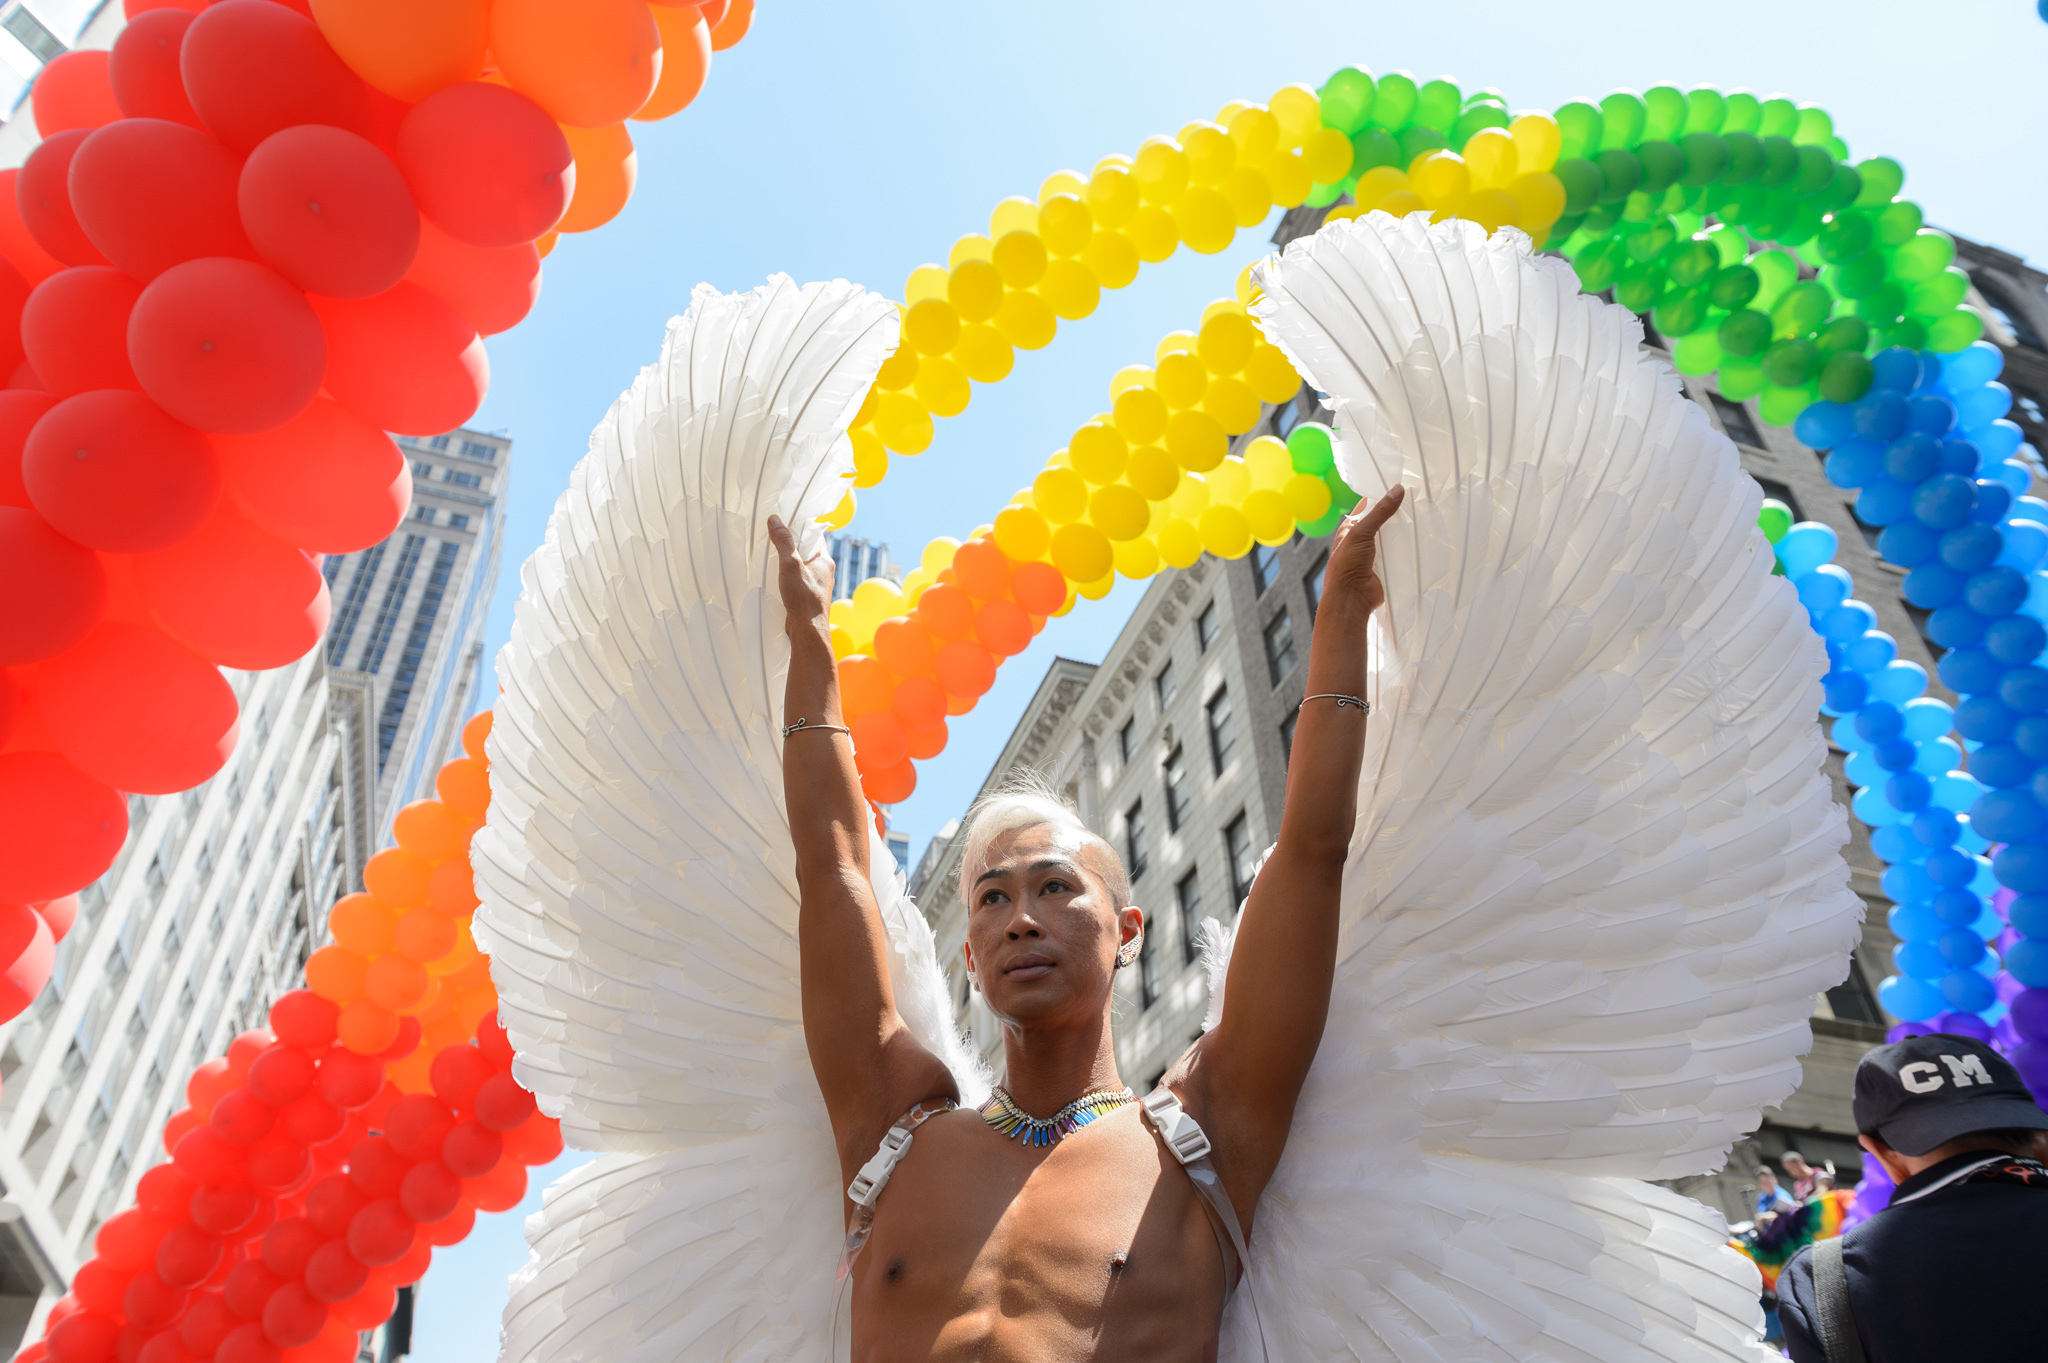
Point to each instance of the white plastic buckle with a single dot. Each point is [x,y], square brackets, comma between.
[867,1185]
[1183,1134]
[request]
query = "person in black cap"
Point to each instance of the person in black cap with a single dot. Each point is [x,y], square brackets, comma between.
[1945,1270]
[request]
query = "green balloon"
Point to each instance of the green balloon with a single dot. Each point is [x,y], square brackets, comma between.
[1582,181]
[1728,244]
[1706,158]
[1690,262]
[1734,286]
[1623,115]
[1393,106]
[1579,127]
[1883,178]
[1418,138]
[1910,333]
[1704,110]
[1801,309]
[1845,377]
[1699,353]
[1954,331]
[1681,312]
[1621,172]
[1662,162]
[1665,112]
[1322,196]
[1374,147]
[1779,118]
[1323,525]
[1745,158]
[1791,363]
[1562,231]
[1601,219]
[1342,498]
[1856,277]
[1473,119]
[1651,241]
[1776,272]
[1816,170]
[1846,188]
[1346,99]
[1922,256]
[1843,237]
[1844,335]
[1437,105]
[1774,519]
[1744,334]
[1897,222]
[1782,405]
[1813,127]
[1883,305]
[1308,444]
[1781,162]
[1740,379]
[1741,113]
[1638,292]
[1936,296]
[1599,264]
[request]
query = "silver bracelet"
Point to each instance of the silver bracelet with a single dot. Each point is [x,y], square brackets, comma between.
[1342,701]
[805,724]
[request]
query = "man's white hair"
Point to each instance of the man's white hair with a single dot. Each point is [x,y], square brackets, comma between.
[1025,799]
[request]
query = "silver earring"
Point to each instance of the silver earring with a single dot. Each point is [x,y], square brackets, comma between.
[1127,954]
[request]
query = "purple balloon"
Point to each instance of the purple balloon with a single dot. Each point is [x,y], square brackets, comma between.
[1873,1194]
[1963,1024]
[2030,1058]
[2030,1014]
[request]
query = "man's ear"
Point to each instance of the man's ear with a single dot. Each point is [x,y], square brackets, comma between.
[1130,921]
[1886,1156]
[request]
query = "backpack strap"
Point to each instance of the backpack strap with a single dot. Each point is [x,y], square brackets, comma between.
[1831,1302]
[1184,1138]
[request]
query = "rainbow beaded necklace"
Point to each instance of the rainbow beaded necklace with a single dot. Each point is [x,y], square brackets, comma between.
[1002,1113]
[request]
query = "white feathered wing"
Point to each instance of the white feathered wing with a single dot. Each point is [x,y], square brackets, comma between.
[1596,880]
[638,885]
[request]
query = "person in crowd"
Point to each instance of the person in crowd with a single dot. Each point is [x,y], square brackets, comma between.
[1945,1271]
[1798,1174]
[1771,1198]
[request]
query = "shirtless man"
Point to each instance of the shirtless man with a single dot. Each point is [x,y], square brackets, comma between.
[1094,1244]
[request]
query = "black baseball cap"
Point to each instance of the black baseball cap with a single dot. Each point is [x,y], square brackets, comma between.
[1928,1090]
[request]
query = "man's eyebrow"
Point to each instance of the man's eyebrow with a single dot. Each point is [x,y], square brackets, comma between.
[1042,864]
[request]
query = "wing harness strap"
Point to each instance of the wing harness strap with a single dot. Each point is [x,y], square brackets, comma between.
[865,1191]
[1184,1138]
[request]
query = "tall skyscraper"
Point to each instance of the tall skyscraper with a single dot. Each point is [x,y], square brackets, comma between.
[855,560]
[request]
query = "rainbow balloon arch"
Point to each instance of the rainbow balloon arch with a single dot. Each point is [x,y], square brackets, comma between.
[321,1161]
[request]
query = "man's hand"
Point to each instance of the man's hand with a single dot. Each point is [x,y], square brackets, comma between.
[806,583]
[1354,556]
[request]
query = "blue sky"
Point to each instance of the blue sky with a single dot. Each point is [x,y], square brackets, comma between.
[860,141]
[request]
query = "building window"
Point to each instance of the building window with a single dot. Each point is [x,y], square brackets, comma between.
[344,627]
[1176,789]
[1205,627]
[2015,321]
[461,479]
[1851,999]
[1125,740]
[1313,584]
[1148,971]
[1134,839]
[1287,736]
[458,521]
[1279,646]
[423,513]
[1188,898]
[439,442]
[386,619]
[1221,740]
[422,470]
[477,450]
[1162,685]
[2028,407]
[1265,559]
[1736,422]
[1237,845]
[1778,492]
[415,650]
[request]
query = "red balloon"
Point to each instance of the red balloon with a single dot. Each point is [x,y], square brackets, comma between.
[327,480]
[312,1120]
[457,1073]
[16,242]
[486,164]
[42,193]
[241,1118]
[204,1157]
[13,297]
[380,1233]
[494,287]
[406,360]
[280,1163]
[52,592]
[136,710]
[207,1322]
[535,1141]
[227,345]
[500,1190]
[150,1303]
[348,1080]
[164,1192]
[288,1244]
[293,1317]
[98,1286]
[329,212]
[333,1274]
[187,1256]
[253,68]
[60,913]
[59,828]
[472,1149]
[143,69]
[282,1075]
[10,707]
[249,1285]
[247,1343]
[429,1193]
[75,330]
[502,1104]
[165,1346]
[151,194]
[27,952]
[369,1308]
[223,1208]
[19,412]
[302,1018]
[73,92]
[492,1041]
[111,471]
[134,9]
[417,1124]
[235,595]
[87,1337]
[452,1229]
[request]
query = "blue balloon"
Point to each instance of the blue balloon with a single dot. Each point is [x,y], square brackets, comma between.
[1996,591]
[2039,786]
[1893,843]
[2028,914]
[1870,806]
[1985,885]
[1968,992]
[1823,589]
[1896,369]
[1943,500]
[1934,828]
[1967,548]
[1907,882]
[2027,959]
[1878,722]
[1843,732]
[1937,756]
[1970,671]
[1933,585]
[1908,791]
[1950,869]
[1957,908]
[2030,736]
[1960,947]
[1845,692]
[1862,768]
[1824,425]
[1983,719]
[1909,922]
[1908,544]
[1903,996]
[1850,620]
[1976,844]
[1898,682]
[1980,407]
[1920,958]
[2016,640]
[2022,866]
[1927,719]
[1894,754]
[2026,544]
[1960,456]
[1855,462]
[2025,689]
[1994,499]
[1975,364]
[1805,547]
[2010,474]
[2037,595]
[1998,442]
[1912,457]
[1958,790]
[2008,816]
[1956,625]
[2030,508]
[1873,650]
[1932,414]
[2002,766]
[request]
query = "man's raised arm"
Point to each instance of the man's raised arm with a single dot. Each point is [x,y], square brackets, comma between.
[869,1066]
[1247,1073]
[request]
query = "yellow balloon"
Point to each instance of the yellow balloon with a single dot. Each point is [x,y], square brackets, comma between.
[1225,532]
[1271,375]
[1376,184]
[1180,543]
[1233,403]
[877,598]
[1014,214]
[1256,132]
[1210,152]
[1492,157]
[1229,481]
[904,425]
[932,326]
[975,290]
[973,246]
[1289,176]
[1130,376]
[1327,154]
[1061,182]
[1268,462]
[1342,213]
[938,555]
[1099,451]
[983,354]
[1065,224]
[1081,552]
[1175,340]
[1537,141]
[870,458]
[1025,320]
[1441,179]
[842,642]
[1196,440]
[1541,196]
[1061,494]
[1140,414]
[1270,518]
[1205,219]
[914,583]
[1152,231]
[942,386]
[1491,209]
[1250,194]
[1181,378]
[1070,288]
[1136,559]
[926,281]
[1247,291]
[1190,498]
[840,613]
[1067,604]
[1402,202]
[1022,533]
[1226,340]
[1099,588]
[1112,258]
[1308,497]
[1161,170]
[1299,112]
[1020,258]
[1152,473]
[1112,194]
[899,371]
[1119,512]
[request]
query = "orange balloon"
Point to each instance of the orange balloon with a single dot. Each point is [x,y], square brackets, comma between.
[878,741]
[545,243]
[366,1028]
[930,742]
[606,168]
[430,830]
[892,786]
[1003,627]
[363,924]
[498,1191]
[589,63]
[903,646]
[408,48]
[1039,588]
[982,569]
[424,935]
[739,15]
[864,685]
[464,785]
[336,973]
[959,705]
[945,610]
[396,982]
[965,668]
[397,877]
[474,733]
[685,60]
[452,889]
[920,702]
